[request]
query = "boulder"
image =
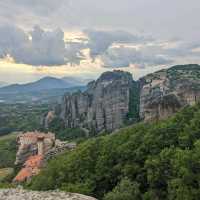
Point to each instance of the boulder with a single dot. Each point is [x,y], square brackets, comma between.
[20,194]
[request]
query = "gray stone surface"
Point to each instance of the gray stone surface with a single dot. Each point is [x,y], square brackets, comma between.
[20,194]
[103,106]
[165,92]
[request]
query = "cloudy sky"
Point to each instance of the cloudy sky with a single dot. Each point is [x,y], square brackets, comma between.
[84,38]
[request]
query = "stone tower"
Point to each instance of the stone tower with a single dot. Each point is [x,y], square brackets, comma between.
[40,145]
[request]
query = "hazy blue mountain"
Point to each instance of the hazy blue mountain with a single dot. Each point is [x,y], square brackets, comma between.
[46,83]
[76,81]
[2,84]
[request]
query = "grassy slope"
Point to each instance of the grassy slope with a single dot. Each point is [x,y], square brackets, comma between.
[5,172]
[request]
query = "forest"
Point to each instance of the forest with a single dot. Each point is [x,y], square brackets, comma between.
[146,161]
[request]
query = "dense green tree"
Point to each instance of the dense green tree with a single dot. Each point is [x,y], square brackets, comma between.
[125,190]
[7,150]
[150,161]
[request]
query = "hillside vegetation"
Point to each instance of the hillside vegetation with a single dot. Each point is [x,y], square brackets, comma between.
[4,173]
[21,117]
[158,161]
[8,150]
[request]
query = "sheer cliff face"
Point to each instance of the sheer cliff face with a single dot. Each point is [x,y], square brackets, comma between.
[165,92]
[102,107]
[115,97]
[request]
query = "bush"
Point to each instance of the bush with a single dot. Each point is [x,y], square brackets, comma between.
[125,190]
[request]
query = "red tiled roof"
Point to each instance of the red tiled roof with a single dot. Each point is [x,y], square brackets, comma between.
[31,167]
[33,164]
[23,175]
[34,161]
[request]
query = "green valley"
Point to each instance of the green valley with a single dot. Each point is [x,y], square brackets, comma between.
[21,117]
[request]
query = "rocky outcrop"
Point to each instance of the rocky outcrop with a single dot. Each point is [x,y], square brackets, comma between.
[48,118]
[59,148]
[102,107]
[20,194]
[115,98]
[166,91]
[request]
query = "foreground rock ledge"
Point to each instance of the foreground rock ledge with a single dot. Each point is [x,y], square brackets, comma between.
[19,194]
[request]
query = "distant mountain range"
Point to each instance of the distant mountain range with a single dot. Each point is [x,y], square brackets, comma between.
[2,84]
[46,83]
[45,90]
[76,81]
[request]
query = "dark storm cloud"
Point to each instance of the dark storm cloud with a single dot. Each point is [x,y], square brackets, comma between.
[38,47]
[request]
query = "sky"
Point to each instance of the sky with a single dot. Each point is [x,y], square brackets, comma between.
[83,38]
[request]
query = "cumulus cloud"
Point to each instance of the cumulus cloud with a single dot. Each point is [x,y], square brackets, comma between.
[125,56]
[114,48]
[38,47]
[73,52]
[121,49]
[100,41]
[117,49]
[184,49]
[12,39]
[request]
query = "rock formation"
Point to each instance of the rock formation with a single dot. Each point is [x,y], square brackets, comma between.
[48,118]
[166,91]
[102,107]
[20,194]
[115,97]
